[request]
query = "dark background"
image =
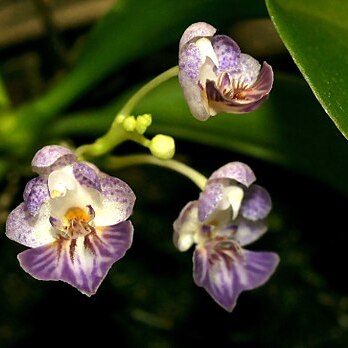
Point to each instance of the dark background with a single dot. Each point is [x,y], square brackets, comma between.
[149,298]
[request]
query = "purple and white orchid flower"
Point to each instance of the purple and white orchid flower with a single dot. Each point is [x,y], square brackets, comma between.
[216,77]
[74,219]
[229,214]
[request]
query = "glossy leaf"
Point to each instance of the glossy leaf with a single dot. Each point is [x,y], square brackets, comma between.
[315,33]
[280,131]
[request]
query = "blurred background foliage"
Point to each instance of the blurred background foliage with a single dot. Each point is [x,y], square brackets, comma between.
[66,68]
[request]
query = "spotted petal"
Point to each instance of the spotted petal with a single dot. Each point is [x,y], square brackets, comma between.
[118,194]
[227,51]
[86,175]
[35,194]
[209,200]
[28,230]
[224,272]
[190,63]
[237,171]
[82,262]
[50,158]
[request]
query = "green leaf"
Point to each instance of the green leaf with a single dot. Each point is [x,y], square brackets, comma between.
[315,33]
[293,135]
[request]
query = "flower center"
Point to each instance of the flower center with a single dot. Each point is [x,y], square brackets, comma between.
[77,222]
[77,214]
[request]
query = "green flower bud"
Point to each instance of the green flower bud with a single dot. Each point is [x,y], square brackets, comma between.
[162,146]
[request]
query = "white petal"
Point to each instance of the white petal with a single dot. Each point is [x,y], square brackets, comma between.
[206,50]
[234,196]
[61,180]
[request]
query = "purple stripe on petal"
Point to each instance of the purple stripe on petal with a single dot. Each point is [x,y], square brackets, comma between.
[43,262]
[237,171]
[116,190]
[221,280]
[82,262]
[196,30]
[257,268]
[227,51]
[215,96]
[256,204]
[113,241]
[225,270]
[200,265]
[263,84]
[233,106]
[209,200]
[50,158]
[35,194]
[86,175]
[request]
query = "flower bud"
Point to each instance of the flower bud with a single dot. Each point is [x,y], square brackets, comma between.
[162,146]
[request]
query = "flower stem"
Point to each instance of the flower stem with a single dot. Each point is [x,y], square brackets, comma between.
[117,134]
[116,162]
[137,96]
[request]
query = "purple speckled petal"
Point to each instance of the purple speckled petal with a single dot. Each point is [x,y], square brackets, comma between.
[25,229]
[118,192]
[196,30]
[190,62]
[225,271]
[86,175]
[29,186]
[189,66]
[209,200]
[247,71]
[50,158]
[35,194]
[256,204]
[237,171]
[227,51]
[82,262]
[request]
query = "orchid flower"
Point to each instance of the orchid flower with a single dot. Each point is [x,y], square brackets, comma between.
[229,214]
[73,219]
[216,77]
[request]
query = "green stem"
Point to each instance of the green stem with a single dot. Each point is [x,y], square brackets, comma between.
[107,142]
[116,162]
[134,100]
[117,134]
